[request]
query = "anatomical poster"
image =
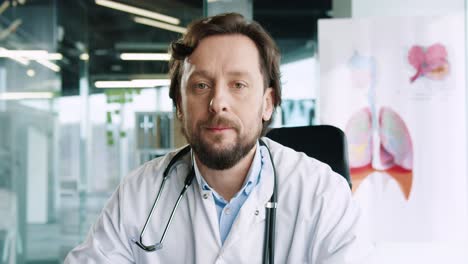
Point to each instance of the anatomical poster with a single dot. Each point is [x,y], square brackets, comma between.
[396,87]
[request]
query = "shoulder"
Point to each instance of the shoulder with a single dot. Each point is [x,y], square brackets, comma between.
[131,197]
[302,172]
[310,193]
[152,171]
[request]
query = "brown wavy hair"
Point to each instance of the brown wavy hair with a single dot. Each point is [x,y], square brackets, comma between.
[226,24]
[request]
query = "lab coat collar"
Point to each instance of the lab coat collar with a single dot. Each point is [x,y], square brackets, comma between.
[251,180]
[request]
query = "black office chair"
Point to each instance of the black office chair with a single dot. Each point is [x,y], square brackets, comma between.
[325,143]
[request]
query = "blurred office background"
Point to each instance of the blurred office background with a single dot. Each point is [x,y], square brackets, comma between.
[84,98]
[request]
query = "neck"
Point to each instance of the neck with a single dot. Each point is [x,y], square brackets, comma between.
[227,182]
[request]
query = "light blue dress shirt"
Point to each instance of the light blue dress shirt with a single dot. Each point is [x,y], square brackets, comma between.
[228,210]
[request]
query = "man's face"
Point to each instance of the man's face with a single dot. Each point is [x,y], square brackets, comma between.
[223,100]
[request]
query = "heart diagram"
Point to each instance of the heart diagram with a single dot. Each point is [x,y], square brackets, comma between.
[430,62]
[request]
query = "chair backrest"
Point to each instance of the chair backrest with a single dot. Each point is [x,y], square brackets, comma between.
[325,143]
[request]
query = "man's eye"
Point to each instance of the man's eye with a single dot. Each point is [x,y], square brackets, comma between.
[201,86]
[239,85]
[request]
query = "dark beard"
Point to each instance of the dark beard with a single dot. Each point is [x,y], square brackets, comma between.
[220,159]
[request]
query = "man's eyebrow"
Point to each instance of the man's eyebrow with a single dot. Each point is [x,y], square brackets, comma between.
[200,73]
[207,74]
[240,74]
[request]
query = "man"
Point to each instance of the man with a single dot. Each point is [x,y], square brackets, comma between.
[225,85]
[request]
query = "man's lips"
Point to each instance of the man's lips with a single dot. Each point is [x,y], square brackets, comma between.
[218,129]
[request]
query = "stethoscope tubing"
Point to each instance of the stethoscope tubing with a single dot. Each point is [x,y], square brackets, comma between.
[188,180]
[270,207]
[270,218]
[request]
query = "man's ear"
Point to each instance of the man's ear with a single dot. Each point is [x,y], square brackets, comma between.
[179,113]
[268,104]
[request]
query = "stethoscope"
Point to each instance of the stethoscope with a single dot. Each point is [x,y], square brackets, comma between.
[270,218]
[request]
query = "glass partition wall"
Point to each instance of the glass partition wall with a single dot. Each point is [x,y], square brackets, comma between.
[83,101]
[29,85]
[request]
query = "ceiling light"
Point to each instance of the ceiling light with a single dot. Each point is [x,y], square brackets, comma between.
[23,53]
[152,82]
[26,95]
[4,6]
[7,54]
[153,23]
[137,83]
[84,56]
[54,56]
[145,56]
[10,29]
[40,56]
[49,64]
[138,11]
[30,72]
[30,54]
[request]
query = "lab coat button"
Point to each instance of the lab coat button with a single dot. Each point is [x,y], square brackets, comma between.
[257,212]
[205,196]
[228,210]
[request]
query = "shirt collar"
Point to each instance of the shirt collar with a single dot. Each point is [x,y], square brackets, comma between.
[251,180]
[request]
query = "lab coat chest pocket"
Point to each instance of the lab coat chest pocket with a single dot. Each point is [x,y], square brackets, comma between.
[302,242]
[244,243]
[295,236]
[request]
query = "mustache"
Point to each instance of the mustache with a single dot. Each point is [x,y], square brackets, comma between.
[218,121]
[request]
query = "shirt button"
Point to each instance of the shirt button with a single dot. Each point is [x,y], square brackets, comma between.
[257,212]
[205,196]
[228,211]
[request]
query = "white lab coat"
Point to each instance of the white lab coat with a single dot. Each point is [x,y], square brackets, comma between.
[317,220]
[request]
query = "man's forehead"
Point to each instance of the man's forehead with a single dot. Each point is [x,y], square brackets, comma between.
[232,59]
[236,47]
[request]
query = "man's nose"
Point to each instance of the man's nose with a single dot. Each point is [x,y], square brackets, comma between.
[219,100]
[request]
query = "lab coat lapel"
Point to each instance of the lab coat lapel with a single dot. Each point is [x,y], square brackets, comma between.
[252,214]
[204,213]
